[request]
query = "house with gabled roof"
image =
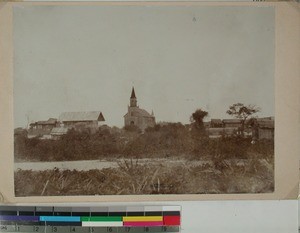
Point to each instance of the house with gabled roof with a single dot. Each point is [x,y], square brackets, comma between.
[90,119]
[46,125]
[42,129]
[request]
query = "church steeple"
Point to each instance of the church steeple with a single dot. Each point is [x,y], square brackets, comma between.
[132,93]
[133,100]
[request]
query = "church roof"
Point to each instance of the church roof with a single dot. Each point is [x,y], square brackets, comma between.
[138,112]
[132,93]
[81,116]
[142,112]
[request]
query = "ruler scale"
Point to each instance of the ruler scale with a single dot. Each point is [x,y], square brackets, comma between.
[111,219]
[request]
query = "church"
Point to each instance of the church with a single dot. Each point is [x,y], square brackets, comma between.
[137,116]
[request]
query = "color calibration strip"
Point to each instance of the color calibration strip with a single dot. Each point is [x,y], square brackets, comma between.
[110,219]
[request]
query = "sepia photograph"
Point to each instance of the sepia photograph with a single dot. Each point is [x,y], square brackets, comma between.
[143,100]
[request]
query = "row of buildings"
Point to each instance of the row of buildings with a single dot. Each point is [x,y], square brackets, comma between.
[257,128]
[53,128]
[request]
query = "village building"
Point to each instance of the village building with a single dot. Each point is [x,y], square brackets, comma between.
[216,123]
[81,119]
[42,129]
[225,127]
[45,125]
[58,132]
[54,128]
[219,132]
[137,116]
[232,123]
[263,128]
[259,129]
[207,124]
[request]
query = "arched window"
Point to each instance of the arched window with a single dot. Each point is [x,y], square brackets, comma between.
[132,122]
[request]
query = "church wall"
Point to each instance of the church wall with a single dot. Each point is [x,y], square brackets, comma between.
[138,119]
[128,120]
[141,122]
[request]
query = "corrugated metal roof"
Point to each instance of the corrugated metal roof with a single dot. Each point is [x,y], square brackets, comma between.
[50,121]
[81,116]
[216,121]
[237,121]
[59,131]
[266,123]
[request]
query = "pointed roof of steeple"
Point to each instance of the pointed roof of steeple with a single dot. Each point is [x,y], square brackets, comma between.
[132,93]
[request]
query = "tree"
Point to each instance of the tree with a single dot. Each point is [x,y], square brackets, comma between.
[242,112]
[197,120]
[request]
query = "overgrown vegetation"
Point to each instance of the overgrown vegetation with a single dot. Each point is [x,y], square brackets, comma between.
[170,140]
[192,162]
[226,176]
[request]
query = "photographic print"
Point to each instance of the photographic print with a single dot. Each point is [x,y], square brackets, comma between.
[140,100]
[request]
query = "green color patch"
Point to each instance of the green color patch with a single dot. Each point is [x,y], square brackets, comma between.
[102,219]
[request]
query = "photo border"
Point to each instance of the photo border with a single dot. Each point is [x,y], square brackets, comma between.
[287,107]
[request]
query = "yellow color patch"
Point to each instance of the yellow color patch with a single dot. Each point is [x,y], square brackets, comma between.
[143,219]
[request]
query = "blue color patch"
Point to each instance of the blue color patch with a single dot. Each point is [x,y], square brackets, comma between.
[60,218]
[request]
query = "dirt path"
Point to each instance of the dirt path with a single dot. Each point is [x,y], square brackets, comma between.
[86,165]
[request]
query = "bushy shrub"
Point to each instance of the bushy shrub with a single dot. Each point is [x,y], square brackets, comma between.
[170,139]
[224,147]
[160,141]
[75,145]
[132,128]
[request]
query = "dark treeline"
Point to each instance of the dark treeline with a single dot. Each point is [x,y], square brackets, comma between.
[161,141]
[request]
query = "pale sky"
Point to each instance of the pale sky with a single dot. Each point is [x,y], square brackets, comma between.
[179,59]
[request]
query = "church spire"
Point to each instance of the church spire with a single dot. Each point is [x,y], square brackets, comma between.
[132,93]
[133,100]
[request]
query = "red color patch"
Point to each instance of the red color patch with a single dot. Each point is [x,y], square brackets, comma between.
[171,220]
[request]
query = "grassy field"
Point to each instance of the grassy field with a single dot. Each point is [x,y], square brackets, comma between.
[223,174]
[255,176]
